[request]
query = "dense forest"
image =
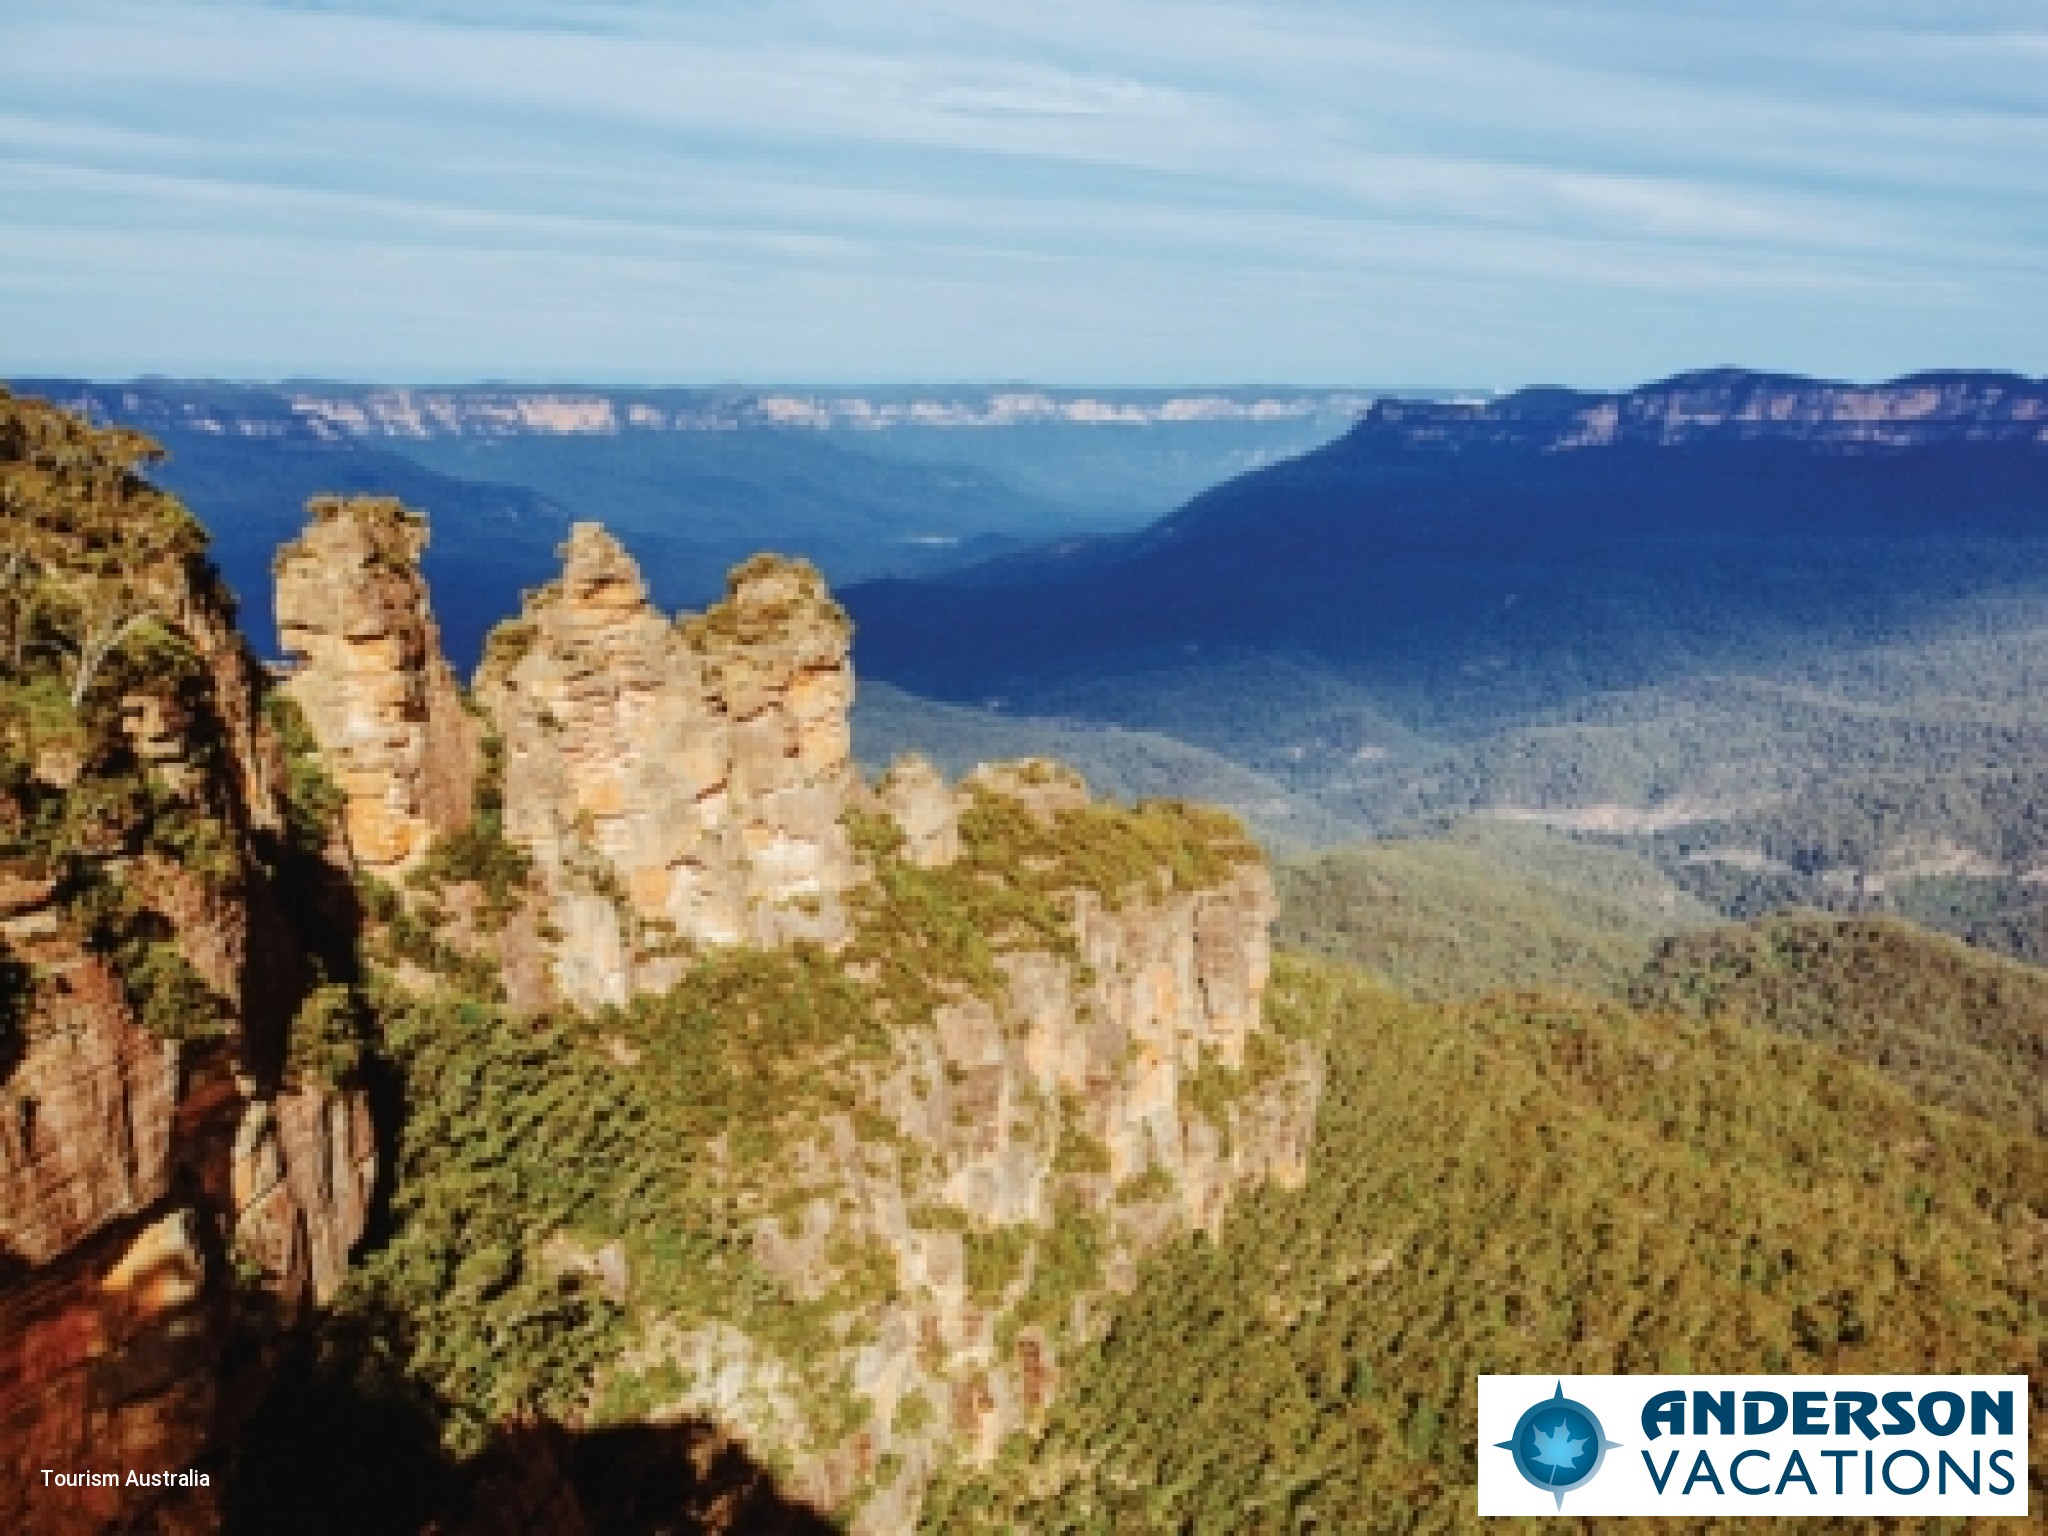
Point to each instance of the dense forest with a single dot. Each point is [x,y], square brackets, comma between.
[1956,1026]
[1493,907]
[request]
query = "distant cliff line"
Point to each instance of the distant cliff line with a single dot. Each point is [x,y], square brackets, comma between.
[344,411]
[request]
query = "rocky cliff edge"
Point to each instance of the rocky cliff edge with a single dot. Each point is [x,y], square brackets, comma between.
[176,1170]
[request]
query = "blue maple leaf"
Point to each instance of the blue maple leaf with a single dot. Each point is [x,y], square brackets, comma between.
[1558,1449]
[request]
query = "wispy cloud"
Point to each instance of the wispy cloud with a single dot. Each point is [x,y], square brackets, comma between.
[1107,191]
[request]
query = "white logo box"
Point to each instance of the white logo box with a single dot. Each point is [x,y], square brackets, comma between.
[1627,1484]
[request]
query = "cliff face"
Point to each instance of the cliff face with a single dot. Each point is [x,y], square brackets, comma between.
[152,1137]
[1099,1104]
[331,414]
[93,1097]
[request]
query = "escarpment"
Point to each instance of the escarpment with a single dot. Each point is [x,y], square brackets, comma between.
[1109,1083]
[173,1176]
[1733,405]
[828,1114]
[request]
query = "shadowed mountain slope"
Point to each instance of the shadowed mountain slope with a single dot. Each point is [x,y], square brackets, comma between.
[1466,565]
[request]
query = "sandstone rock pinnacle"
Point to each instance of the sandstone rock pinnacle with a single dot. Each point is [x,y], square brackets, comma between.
[675,784]
[372,683]
[917,798]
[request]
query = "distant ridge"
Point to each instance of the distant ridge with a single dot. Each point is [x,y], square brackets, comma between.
[865,482]
[1724,403]
[1936,405]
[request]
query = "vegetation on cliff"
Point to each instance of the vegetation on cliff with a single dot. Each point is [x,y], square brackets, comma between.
[925,933]
[108,712]
[479,854]
[91,554]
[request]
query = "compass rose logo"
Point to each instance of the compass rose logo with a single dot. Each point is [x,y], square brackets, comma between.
[1558,1445]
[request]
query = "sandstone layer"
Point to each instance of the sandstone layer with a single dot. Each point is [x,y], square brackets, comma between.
[1729,404]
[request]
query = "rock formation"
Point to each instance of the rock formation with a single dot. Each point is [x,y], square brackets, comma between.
[1075,1071]
[679,784]
[674,784]
[915,796]
[371,680]
[1043,787]
[1066,1099]
[110,1359]
[88,1137]
[679,787]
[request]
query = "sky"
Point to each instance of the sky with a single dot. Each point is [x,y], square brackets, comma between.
[1481,194]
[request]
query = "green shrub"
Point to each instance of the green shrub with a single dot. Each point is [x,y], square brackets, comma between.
[167,995]
[995,1258]
[329,1036]
[313,801]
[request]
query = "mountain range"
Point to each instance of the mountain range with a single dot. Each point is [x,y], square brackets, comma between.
[1462,565]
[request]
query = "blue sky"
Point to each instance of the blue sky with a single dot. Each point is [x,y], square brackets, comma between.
[1485,193]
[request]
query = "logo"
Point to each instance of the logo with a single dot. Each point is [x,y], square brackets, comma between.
[1704,1447]
[1558,1445]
